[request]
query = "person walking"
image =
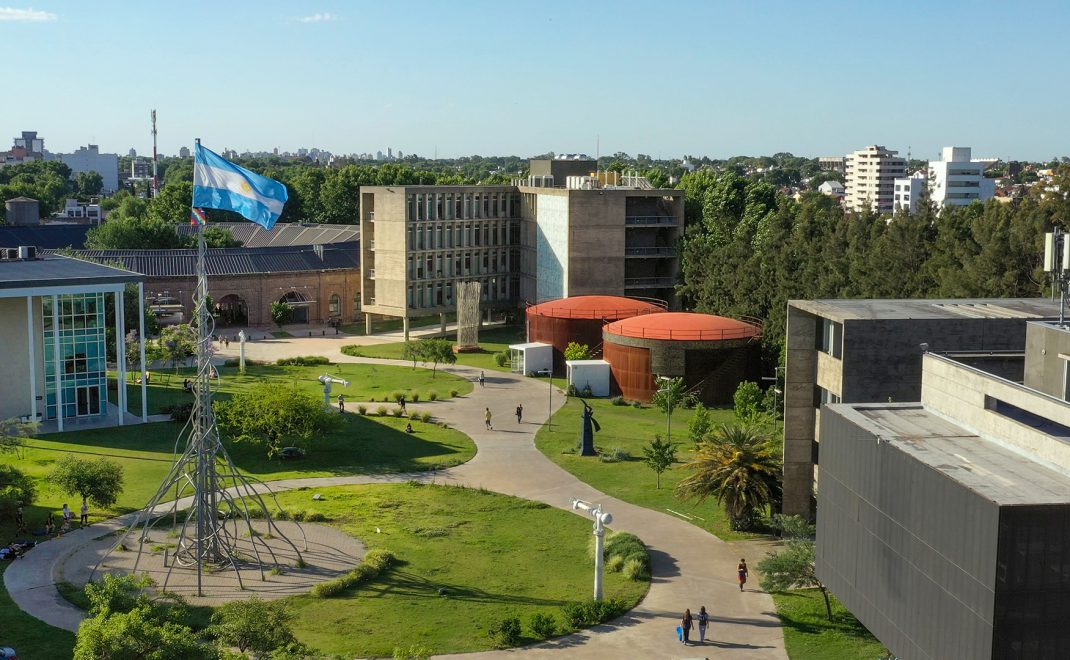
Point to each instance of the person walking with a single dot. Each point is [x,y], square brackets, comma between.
[85,512]
[686,624]
[20,522]
[486,416]
[703,621]
[519,413]
[50,524]
[401,402]
[482,379]
[341,404]
[741,569]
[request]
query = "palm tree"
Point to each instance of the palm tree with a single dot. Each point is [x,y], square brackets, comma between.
[740,466]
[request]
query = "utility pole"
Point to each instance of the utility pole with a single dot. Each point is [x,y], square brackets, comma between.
[155,178]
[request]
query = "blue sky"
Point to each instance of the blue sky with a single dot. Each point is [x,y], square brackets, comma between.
[501,77]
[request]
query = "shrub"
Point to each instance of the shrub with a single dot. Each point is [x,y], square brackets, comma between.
[433,396]
[634,569]
[637,404]
[352,350]
[315,516]
[624,545]
[426,418]
[298,515]
[398,412]
[363,410]
[506,633]
[302,361]
[615,564]
[179,412]
[618,401]
[375,562]
[615,455]
[381,411]
[587,613]
[396,396]
[542,625]
[415,398]
[571,390]
[586,392]
[501,358]
[454,393]
[414,652]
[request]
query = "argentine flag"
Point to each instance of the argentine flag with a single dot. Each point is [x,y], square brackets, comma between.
[220,184]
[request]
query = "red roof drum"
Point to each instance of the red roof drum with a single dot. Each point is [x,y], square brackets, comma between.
[594,307]
[683,326]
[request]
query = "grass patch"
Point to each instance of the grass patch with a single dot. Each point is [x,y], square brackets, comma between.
[809,635]
[280,334]
[507,559]
[367,381]
[491,340]
[625,431]
[31,637]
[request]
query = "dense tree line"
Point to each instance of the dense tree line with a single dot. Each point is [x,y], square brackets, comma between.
[49,182]
[748,250]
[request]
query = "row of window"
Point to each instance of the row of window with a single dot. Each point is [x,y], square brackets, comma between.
[439,294]
[80,347]
[462,235]
[463,264]
[462,205]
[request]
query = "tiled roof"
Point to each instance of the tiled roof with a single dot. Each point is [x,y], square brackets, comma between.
[234,261]
[253,235]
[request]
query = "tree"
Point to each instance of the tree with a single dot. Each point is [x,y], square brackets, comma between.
[436,350]
[100,481]
[177,343]
[281,313]
[130,228]
[217,237]
[253,625]
[89,183]
[739,466]
[13,434]
[16,489]
[413,350]
[794,566]
[139,635]
[700,424]
[577,351]
[272,416]
[659,456]
[748,401]
[672,394]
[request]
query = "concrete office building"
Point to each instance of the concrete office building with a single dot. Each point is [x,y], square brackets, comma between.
[53,326]
[832,163]
[540,239]
[958,181]
[944,524]
[909,192]
[870,175]
[869,351]
[89,159]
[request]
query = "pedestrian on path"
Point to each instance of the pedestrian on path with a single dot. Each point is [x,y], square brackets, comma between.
[486,416]
[85,512]
[519,413]
[20,522]
[50,524]
[703,621]
[482,379]
[742,570]
[686,624]
[341,404]
[401,402]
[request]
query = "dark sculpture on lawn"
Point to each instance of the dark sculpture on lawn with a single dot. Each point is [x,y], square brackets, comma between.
[590,425]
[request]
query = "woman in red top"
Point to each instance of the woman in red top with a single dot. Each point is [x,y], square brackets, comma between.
[742,570]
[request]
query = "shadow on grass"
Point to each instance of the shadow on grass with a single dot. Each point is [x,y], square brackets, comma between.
[403,583]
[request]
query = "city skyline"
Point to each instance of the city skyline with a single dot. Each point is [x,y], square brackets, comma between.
[712,80]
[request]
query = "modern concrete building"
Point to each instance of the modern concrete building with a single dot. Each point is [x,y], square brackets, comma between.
[956,180]
[832,163]
[869,351]
[870,178]
[537,240]
[89,159]
[909,192]
[944,523]
[52,322]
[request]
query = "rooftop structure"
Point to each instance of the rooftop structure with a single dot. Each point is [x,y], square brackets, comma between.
[957,180]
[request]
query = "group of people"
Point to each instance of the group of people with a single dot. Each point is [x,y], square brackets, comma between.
[50,521]
[702,619]
[487,415]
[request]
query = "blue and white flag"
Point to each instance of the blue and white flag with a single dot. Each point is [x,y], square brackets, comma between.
[220,184]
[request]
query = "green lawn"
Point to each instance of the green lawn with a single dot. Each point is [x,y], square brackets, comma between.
[492,340]
[367,381]
[30,637]
[809,635]
[394,325]
[630,429]
[496,556]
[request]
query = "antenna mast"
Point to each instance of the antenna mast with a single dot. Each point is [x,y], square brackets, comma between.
[155,179]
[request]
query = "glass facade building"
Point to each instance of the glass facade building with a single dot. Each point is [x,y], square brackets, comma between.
[82,354]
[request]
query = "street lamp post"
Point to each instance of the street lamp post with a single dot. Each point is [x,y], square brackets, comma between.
[550,401]
[601,519]
[775,378]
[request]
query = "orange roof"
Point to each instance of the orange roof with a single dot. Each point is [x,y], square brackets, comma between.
[594,307]
[684,326]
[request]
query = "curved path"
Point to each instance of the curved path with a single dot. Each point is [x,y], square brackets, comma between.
[690,566]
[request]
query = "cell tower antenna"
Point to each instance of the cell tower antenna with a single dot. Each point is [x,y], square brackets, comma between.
[155,178]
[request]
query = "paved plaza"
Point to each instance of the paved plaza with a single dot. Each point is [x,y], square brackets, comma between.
[690,566]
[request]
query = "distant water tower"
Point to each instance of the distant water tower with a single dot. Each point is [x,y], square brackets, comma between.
[23,211]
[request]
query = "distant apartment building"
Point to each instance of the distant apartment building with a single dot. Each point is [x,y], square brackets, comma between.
[832,163]
[956,180]
[141,168]
[909,192]
[183,152]
[870,178]
[89,159]
[560,232]
[27,147]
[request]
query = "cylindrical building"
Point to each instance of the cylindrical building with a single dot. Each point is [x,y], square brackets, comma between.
[580,319]
[713,354]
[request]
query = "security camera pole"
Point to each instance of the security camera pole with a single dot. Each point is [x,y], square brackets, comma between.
[601,519]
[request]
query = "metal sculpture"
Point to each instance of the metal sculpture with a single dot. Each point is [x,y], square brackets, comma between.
[468,294]
[590,425]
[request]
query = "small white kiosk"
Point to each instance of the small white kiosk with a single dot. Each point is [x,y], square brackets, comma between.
[589,373]
[531,357]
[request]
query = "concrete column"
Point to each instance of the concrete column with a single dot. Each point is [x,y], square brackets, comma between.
[33,358]
[57,363]
[367,323]
[120,357]
[405,327]
[141,350]
[442,322]
[800,378]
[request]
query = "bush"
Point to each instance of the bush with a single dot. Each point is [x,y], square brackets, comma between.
[16,489]
[506,633]
[179,412]
[381,411]
[363,410]
[398,412]
[315,516]
[501,358]
[571,390]
[615,455]
[587,613]
[433,396]
[454,393]
[415,398]
[375,562]
[426,418]
[624,545]
[396,396]
[637,404]
[586,392]
[302,361]
[297,515]
[634,569]
[618,401]
[542,625]
[615,564]
[414,652]
[352,350]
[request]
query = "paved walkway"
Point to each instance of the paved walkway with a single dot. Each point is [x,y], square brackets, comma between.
[690,566]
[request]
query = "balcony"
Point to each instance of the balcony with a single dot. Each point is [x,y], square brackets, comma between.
[649,220]
[648,282]
[647,252]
